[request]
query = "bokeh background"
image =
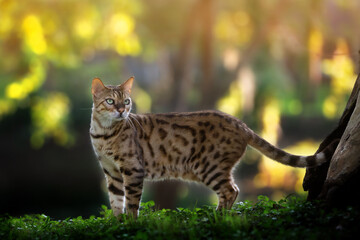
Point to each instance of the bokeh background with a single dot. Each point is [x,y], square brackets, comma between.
[285,67]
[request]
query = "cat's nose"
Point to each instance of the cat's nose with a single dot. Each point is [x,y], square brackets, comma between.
[121,110]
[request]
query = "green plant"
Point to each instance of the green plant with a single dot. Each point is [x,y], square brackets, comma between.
[289,218]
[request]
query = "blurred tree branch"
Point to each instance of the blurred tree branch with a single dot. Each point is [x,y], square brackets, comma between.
[165,192]
[183,62]
[261,34]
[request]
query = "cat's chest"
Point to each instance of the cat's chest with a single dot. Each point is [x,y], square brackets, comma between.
[111,149]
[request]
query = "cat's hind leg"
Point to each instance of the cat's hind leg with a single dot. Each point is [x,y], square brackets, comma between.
[219,179]
[227,192]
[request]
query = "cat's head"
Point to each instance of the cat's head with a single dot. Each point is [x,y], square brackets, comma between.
[112,103]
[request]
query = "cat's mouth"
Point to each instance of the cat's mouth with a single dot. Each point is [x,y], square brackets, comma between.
[118,116]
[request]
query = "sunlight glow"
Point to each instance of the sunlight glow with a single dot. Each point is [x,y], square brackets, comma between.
[273,174]
[240,98]
[271,120]
[121,24]
[128,46]
[6,25]
[84,28]
[15,91]
[33,34]
[341,70]
[32,81]
[315,42]
[120,33]
[270,173]
[231,103]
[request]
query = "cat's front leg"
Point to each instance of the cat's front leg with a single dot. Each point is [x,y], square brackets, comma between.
[115,185]
[133,182]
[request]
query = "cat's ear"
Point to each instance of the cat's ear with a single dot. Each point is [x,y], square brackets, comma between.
[126,86]
[97,86]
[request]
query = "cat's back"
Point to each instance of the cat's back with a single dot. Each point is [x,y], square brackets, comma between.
[197,118]
[210,124]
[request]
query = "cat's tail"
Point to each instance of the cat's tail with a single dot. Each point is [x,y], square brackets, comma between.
[283,157]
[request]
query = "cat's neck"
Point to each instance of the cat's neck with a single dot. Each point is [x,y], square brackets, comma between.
[102,124]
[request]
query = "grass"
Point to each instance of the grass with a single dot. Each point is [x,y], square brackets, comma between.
[292,218]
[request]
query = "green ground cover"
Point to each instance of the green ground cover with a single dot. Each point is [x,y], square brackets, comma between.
[291,218]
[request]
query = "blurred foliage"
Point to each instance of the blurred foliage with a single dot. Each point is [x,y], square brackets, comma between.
[49,115]
[234,28]
[35,35]
[270,59]
[266,91]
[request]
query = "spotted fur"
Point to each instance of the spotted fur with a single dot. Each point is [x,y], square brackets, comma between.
[198,146]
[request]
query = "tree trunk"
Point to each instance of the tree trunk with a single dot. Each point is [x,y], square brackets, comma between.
[337,181]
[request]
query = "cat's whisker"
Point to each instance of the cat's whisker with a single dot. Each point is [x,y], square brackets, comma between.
[128,120]
[137,121]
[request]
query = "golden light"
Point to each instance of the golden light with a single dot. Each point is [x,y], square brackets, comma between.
[231,103]
[270,173]
[128,46]
[240,97]
[84,28]
[121,25]
[6,25]
[86,24]
[341,70]
[15,91]
[271,120]
[120,35]
[315,42]
[32,81]
[330,107]
[33,34]
[273,174]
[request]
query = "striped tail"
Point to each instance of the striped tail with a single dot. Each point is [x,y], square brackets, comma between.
[283,157]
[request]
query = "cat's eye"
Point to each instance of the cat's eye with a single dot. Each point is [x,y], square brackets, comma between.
[110,101]
[127,101]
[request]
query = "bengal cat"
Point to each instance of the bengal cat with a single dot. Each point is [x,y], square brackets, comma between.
[198,146]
